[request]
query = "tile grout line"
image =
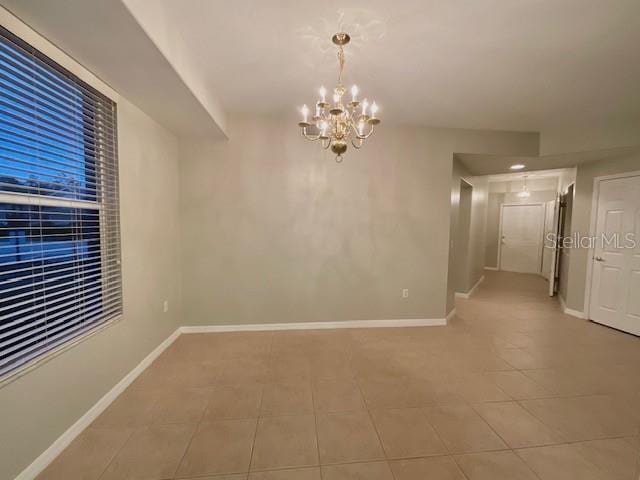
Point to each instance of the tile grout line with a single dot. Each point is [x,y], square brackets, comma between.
[262,387]
[450,454]
[509,448]
[315,422]
[195,432]
[560,433]
[564,442]
[586,458]
[118,450]
[375,428]
[133,431]
[504,440]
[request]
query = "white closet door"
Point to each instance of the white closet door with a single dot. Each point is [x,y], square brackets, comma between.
[615,287]
[521,241]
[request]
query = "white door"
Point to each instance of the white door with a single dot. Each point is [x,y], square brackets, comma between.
[615,287]
[521,238]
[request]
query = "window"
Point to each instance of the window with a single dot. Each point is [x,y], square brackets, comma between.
[59,221]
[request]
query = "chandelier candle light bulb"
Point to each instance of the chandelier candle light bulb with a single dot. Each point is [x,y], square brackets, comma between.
[374,109]
[323,129]
[305,114]
[337,124]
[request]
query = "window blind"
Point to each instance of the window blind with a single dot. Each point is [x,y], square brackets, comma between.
[59,214]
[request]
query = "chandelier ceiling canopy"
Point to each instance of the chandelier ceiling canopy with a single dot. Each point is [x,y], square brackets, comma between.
[336,123]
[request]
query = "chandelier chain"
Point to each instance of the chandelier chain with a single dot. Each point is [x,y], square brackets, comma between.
[341,63]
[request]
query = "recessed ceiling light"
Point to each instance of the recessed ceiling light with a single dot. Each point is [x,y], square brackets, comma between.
[517,166]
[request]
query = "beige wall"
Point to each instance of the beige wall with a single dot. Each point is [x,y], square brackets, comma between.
[39,406]
[583,139]
[581,219]
[275,231]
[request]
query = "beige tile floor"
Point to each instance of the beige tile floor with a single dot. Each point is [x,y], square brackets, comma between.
[510,389]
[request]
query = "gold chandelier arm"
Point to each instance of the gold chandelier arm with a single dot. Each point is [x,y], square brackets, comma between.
[311,138]
[358,145]
[326,143]
[357,132]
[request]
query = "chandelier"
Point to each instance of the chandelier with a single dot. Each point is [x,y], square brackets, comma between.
[338,123]
[524,193]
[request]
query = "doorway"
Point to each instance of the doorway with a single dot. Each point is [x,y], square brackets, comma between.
[521,227]
[614,298]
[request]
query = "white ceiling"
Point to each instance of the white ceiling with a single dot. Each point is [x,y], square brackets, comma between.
[492,64]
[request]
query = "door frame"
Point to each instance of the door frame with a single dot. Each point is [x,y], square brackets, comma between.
[463,179]
[561,233]
[554,251]
[554,216]
[516,204]
[592,231]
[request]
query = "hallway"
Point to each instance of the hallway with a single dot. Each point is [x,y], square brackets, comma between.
[511,389]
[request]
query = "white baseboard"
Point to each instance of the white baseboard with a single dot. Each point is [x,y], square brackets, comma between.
[470,292]
[451,314]
[40,463]
[570,311]
[258,327]
[494,269]
[574,313]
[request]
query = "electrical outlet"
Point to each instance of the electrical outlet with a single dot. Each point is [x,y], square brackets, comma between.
[405,293]
[165,306]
